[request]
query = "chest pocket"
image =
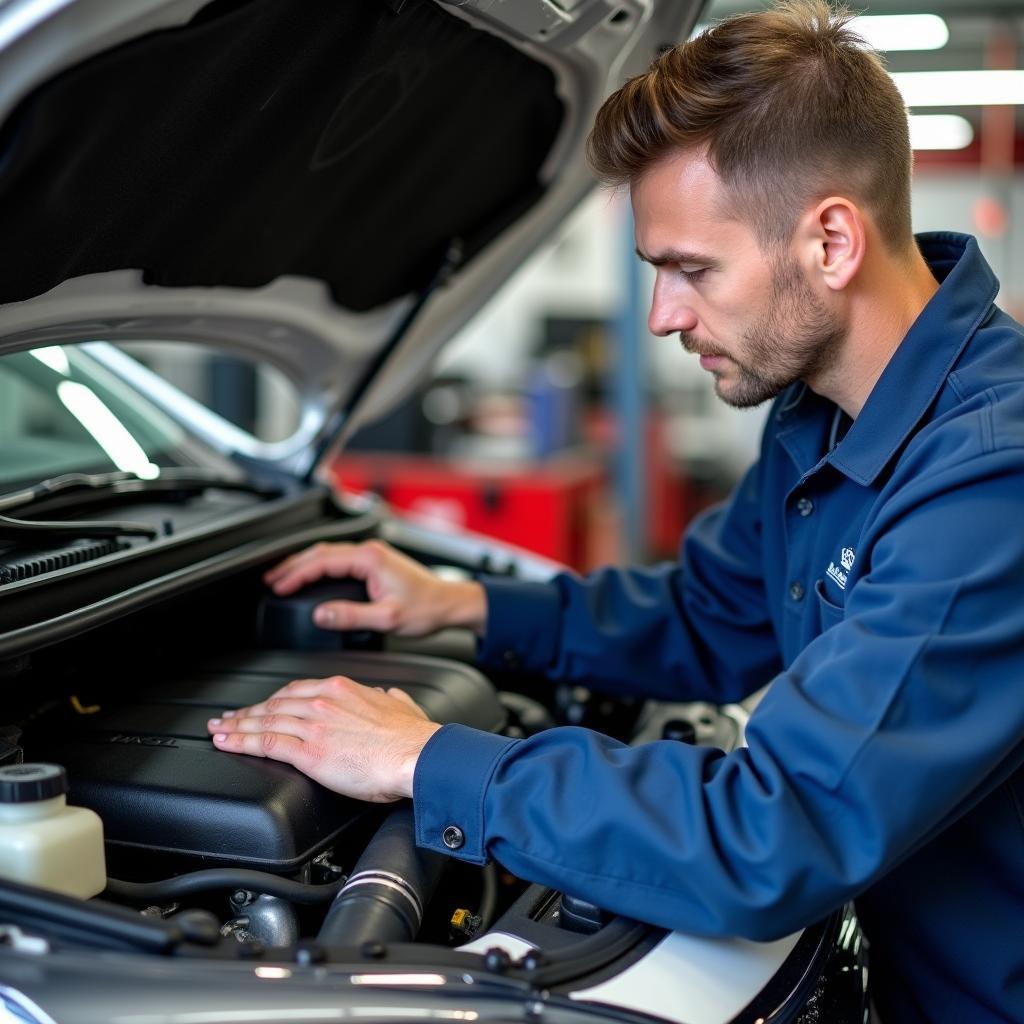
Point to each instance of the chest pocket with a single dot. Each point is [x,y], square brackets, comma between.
[828,612]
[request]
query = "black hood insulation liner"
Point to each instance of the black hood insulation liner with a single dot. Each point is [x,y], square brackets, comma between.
[335,140]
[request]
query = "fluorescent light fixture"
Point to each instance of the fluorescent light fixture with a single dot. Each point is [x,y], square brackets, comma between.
[960,88]
[888,31]
[299,1014]
[397,979]
[108,431]
[272,972]
[410,1013]
[902,31]
[940,131]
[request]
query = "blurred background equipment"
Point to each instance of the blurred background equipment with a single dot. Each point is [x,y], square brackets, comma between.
[555,421]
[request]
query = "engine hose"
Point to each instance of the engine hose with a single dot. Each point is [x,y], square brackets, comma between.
[384,897]
[488,896]
[221,878]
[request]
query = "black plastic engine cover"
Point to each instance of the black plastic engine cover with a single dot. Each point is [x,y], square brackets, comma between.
[148,768]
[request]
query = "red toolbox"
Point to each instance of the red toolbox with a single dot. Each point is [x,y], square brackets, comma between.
[558,508]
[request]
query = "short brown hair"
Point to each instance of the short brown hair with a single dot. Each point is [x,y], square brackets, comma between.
[791,106]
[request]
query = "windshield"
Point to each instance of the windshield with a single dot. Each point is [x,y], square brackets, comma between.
[61,412]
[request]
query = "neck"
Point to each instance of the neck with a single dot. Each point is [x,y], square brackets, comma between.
[883,302]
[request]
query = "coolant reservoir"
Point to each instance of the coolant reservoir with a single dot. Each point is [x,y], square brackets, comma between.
[43,841]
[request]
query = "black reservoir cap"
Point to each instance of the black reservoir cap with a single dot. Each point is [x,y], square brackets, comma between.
[26,783]
[287,622]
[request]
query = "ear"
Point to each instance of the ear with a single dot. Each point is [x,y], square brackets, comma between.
[834,240]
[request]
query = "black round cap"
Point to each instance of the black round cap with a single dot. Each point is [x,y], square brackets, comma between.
[26,783]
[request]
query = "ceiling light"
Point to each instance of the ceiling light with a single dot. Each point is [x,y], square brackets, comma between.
[940,131]
[902,31]
[960,88]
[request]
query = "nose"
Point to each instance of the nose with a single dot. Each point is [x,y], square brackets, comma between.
[670,312]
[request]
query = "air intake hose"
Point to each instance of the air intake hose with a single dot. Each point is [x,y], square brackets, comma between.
[384,897]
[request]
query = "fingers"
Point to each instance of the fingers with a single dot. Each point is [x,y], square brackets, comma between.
[291,562]
[293,708]
[281,737]
[276,746]
[290,699]
[323,560]
[298,726]
[313,564]
[381,616]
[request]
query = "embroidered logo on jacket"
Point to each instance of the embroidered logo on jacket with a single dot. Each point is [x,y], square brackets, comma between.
[846,560]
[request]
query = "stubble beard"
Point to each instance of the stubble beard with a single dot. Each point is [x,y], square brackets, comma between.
[798,338]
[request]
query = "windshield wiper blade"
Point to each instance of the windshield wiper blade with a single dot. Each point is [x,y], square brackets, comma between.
[61,484]
[24,529]
[170,481]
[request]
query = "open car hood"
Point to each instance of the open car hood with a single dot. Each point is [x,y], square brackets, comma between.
[331,188]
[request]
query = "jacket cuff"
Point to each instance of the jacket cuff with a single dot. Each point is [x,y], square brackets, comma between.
[451,778]
[523,622]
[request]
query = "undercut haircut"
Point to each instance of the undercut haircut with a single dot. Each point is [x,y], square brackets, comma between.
[791,107]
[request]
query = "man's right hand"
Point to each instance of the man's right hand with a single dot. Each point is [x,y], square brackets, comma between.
[404,597]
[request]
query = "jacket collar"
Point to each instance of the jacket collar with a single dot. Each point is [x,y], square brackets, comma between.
[913,376]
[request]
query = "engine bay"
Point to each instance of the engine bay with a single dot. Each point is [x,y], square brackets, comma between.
[249,845]
[227,857]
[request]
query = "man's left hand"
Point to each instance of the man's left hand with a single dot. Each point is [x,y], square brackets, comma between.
[359,741]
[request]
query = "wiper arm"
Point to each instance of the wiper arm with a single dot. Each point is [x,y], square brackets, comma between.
[61,484]
[24,529]
[184,482]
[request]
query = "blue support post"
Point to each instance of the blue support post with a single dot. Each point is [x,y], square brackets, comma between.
[629,401]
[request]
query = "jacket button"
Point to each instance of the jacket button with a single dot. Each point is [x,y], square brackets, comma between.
[805,506]
[452,837]
[796,591]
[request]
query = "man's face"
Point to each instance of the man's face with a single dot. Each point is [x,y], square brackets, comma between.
[750,315]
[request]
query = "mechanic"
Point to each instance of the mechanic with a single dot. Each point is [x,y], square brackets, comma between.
[870,564]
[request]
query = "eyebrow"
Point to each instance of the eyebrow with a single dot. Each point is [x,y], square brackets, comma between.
[678,256]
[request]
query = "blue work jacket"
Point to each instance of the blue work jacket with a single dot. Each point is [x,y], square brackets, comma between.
[876,578]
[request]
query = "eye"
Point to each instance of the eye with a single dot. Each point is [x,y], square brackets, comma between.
[693,276]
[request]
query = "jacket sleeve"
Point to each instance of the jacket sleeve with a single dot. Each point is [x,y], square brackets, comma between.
[697,630]
[919,682]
